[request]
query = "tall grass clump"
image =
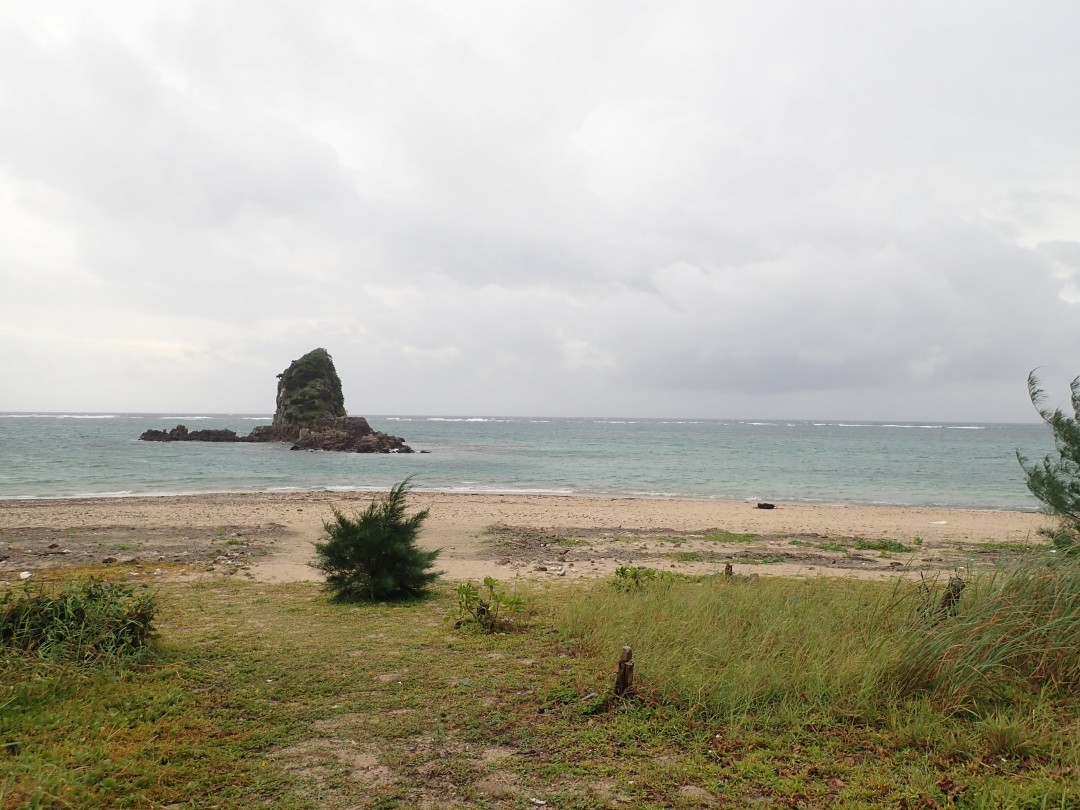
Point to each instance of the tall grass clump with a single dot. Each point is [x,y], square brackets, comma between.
[85,622]
[727,648]
[1015,632]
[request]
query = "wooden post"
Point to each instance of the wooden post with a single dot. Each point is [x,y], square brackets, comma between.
[947,606]
[624,681]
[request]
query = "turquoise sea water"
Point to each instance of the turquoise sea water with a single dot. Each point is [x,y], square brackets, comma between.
[973,465]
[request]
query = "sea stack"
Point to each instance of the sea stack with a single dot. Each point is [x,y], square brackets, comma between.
[310,413]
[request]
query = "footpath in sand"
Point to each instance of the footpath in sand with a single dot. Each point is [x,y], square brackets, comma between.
[271,536]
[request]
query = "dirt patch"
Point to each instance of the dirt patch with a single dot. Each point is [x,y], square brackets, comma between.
[320,757]
[573,551]
[498,785]
[223,548]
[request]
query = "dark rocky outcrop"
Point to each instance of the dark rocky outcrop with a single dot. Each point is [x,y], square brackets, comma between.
[310,414]
[182,434]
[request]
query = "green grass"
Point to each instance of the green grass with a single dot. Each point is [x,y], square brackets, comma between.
[830,545]
[889,546]
[767,692]
[991,687]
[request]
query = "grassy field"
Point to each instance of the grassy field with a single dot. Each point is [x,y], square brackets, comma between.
[770,693]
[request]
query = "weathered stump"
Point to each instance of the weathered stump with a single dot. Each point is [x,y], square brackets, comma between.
[947,605]
[624,680]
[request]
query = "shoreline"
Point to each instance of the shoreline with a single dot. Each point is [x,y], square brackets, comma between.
[352,492]
[271,536]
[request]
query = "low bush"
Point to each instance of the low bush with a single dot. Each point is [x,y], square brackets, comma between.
[490,608]
[373,556]
[87,621]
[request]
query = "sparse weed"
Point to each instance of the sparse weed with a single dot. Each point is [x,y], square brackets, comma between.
[632,577]
[489,608]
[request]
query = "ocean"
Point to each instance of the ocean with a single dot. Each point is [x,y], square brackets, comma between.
[931,464]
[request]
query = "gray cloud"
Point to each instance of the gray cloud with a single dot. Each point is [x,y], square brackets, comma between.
[702,209]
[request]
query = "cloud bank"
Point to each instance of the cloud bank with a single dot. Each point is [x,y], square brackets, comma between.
[604,208]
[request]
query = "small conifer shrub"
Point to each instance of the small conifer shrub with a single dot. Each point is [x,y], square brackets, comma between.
[373,556]
[1056,481]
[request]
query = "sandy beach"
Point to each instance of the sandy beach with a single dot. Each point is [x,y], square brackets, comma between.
[270,536]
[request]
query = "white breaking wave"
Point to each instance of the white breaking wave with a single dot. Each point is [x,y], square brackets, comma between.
[57,416]
[465,419]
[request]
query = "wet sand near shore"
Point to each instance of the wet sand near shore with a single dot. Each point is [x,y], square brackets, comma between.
[271,536]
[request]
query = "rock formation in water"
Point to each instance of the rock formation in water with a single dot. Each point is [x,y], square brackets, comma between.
[310,414]
[182,434]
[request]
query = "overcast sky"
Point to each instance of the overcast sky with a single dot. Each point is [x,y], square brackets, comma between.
[706,209]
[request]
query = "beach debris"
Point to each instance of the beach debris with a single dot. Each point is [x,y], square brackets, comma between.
[766,505]
[25,575]
[538,802]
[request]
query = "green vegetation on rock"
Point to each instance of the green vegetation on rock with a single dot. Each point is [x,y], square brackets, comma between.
[309,391]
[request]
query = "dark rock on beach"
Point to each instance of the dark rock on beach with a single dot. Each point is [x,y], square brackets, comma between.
[310,414]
